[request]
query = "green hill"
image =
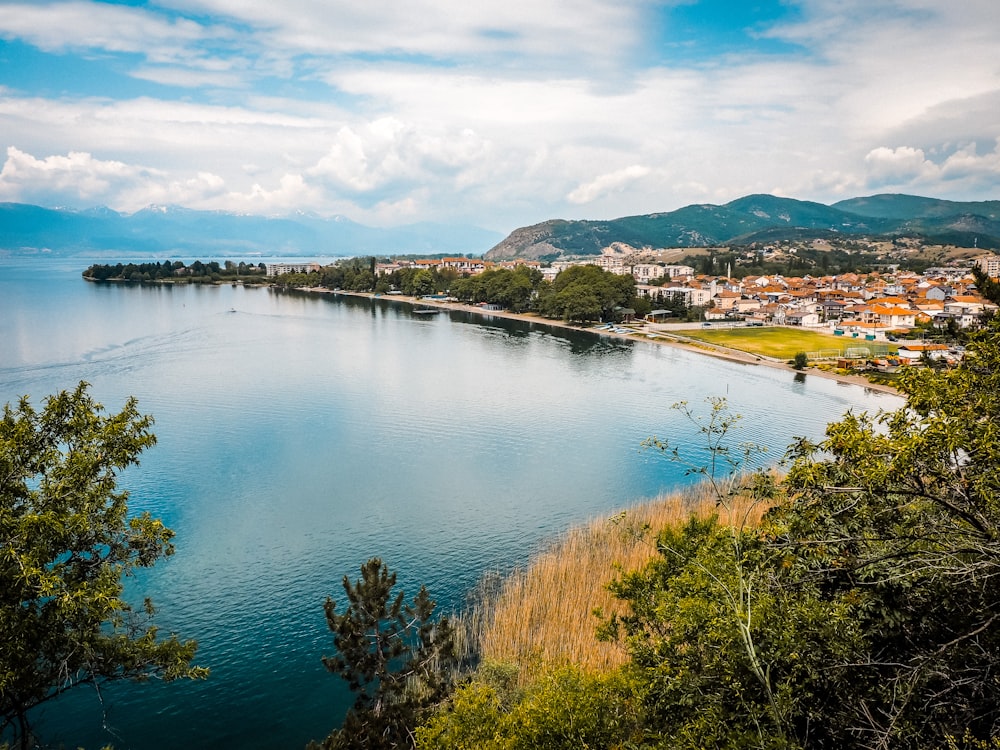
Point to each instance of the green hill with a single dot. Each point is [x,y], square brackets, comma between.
[762,218]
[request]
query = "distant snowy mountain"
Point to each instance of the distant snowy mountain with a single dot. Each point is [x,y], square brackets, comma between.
[172,230]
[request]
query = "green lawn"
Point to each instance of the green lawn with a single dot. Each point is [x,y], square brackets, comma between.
[777,341]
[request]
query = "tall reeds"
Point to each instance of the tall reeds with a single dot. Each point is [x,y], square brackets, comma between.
[544,615]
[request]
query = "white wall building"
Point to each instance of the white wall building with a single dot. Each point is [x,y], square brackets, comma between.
[276,269]
[990,265]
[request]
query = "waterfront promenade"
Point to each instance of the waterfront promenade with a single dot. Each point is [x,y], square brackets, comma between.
[659,334]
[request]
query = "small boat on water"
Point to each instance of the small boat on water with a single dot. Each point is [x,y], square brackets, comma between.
[427,311]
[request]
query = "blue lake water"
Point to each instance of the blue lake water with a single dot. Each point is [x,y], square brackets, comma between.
[300,435]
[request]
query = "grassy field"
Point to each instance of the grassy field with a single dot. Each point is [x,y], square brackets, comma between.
[780,342]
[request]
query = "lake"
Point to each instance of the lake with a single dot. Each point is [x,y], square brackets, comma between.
[300,435]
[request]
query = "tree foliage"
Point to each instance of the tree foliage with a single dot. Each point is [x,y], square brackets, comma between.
[988,287]
[415,282]
[510,288]
[870,593]
[900,513]
[396,657]
[352,274]
[586,292]
[67,541]
[176,270]
[567,709]
[729,656]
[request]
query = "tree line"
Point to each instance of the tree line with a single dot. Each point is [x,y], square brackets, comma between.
[578,294]
[174,270]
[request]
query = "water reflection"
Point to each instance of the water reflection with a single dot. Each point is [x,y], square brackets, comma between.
[309,432]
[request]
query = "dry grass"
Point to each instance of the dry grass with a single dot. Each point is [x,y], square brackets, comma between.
[544,616]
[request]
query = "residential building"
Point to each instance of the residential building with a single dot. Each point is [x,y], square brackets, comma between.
[990,265]
[276,269]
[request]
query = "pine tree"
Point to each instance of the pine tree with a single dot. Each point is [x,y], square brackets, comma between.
[396,658]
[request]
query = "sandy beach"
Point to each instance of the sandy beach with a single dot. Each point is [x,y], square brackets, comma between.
[656,334]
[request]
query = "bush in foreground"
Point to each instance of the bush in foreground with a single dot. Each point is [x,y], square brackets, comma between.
[863,611]
[68,540]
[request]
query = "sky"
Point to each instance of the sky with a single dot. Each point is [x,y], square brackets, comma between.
[497,113]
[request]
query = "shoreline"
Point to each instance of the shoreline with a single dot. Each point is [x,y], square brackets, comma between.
[664,335]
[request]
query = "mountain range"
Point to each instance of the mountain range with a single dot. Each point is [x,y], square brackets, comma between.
[163,231]
[173,231]
[763,218]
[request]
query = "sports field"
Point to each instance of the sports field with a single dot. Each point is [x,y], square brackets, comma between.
[780,342]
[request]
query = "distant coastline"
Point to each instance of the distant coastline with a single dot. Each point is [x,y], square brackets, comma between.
[669,334]
[663,334]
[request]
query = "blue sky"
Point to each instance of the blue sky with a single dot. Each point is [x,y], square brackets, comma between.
[500,113]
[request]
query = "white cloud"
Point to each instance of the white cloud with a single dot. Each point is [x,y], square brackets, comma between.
[892,166]
[292,192]
[72,178]
[890,61]
[186,78]
[195,190]
[387,152]
[507,113]
[966,163]
[361,162]
[963,169]
[61,26]
[176,51]
[166,134]
[501,30]
[606,183]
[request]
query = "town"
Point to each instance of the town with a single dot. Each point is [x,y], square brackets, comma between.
[881,305]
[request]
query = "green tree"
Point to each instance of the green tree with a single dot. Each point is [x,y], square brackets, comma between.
[67,541]
[397,659]
[989,288]
[469,289]
[585,292]
[709,582]
[360,281]
[718,658]
[901,512]
[566,709]
[423,283]
[642,306]
[800,361]
[578,303]
[870,593]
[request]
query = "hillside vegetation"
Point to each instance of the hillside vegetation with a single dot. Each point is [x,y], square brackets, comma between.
[757,218]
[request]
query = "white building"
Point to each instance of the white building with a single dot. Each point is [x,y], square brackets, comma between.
[692,297]
[990,265]
[276,269]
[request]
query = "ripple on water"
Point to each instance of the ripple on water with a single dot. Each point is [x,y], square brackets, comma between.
[302,436]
